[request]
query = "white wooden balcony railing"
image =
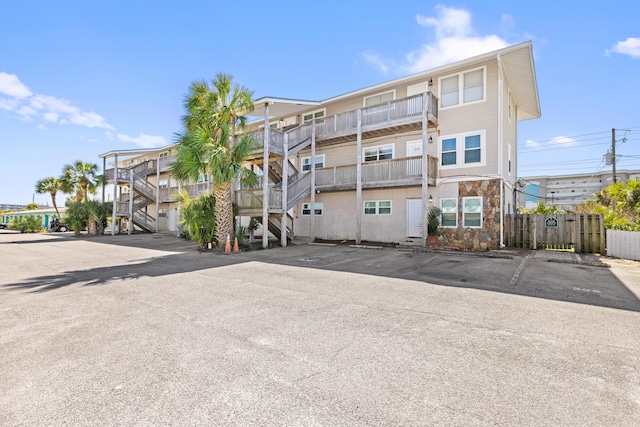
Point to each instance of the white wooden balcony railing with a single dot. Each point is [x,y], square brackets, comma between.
[392,113]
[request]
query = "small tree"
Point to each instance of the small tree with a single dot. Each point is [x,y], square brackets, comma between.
[198,218]
[49,185]
[433,221]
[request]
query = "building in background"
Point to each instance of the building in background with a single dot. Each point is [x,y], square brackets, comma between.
[567,191]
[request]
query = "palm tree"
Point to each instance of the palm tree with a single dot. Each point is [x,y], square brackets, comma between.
[209,143]
[49,185]
[81,178]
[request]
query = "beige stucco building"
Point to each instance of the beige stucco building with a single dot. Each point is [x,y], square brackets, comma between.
[367,165]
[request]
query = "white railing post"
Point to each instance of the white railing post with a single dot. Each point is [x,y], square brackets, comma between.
[130,202]
[285,196]
[425,171]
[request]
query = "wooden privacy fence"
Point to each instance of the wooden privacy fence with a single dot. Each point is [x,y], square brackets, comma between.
[623,244]
[574,232]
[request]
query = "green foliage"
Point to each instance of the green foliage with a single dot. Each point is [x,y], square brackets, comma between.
[542,209]
[27,224]
[433,221]
[49,185]
[81,215]
[198,217]
[209,144]
[32,206]
[80,178]
[77,216]
[620,204]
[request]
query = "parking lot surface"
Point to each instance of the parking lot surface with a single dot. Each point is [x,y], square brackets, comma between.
[144,330]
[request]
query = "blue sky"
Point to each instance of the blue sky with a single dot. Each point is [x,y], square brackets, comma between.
[80,78]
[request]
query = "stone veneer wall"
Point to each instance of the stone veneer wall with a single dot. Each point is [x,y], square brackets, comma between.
[476,239]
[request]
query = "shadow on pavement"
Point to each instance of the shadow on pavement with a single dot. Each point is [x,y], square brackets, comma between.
[517,274]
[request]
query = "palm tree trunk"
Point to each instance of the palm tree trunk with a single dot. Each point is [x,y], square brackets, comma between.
[223,212]
[55,205]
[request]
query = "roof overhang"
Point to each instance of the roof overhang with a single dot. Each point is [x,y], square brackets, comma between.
[134,152]
[280,107]
[517,63]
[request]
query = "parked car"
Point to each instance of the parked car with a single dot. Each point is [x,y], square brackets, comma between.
[4,226]
[58,226]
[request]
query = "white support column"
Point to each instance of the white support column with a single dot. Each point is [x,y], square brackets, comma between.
[130,228]
[425,170]
[115,196]
[359,179]
[285,195]
[104,171]
[158,194]
[178,212]
[265,180]
[312,219]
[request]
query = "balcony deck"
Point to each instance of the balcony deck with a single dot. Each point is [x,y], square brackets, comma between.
[402,115]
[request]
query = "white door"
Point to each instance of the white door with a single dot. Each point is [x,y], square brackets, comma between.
[414,217]
[172,219]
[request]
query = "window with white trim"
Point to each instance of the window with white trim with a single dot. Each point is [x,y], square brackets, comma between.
[509,158]
[163,183]
[382,152]
[449,212]
[163,154]
[162,213]
[472,212]
[313,115]
[463,88]
[377,207]
[379,98]
[306,208]
[305,162]
[467,149]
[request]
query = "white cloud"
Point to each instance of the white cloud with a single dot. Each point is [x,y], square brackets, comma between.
[109,135]
[564,141]
[531,143]
[631,47]
[11,85]
[29,106]
[455,39]
[144,140]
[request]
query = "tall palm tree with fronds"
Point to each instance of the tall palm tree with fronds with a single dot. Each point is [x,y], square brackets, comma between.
[211,143]
[49,185]
[81,178]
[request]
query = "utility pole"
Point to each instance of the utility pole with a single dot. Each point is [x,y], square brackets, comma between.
[613,153]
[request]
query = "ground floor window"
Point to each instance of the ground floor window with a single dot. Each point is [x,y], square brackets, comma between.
[306,208]
[449,213]
[377,207]
[162,213]
[472,212]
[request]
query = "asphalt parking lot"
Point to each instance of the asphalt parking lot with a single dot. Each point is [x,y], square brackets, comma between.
[143,330]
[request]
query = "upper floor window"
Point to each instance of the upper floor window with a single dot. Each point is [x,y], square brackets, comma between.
[383,152]
[380,98]
[163,154]
[163,183]
[463,150]
[463,88]
[313,115]
[306,162]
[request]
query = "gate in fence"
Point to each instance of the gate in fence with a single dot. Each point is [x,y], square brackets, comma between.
[571,232]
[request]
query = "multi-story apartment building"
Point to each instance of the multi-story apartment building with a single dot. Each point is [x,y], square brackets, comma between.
[367,165]
[567,191]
